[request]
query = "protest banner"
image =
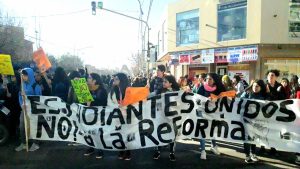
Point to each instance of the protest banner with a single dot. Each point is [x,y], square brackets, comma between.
[81,90]
[165,118]
[41,60]
[6,67]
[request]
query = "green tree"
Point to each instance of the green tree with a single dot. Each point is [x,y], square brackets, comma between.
[70,62]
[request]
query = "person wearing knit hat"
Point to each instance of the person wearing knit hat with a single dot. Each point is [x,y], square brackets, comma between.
[227,83]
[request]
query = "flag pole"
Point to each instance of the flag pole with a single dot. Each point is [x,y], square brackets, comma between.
[24,109]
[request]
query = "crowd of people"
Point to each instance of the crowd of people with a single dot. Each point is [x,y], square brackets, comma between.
[111,89]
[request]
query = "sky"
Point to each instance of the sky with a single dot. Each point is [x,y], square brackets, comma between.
[104,40]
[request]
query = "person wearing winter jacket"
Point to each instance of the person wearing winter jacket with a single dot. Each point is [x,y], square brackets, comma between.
[257,90]
[30,87]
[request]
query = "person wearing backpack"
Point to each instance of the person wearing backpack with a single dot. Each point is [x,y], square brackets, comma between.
[30,87]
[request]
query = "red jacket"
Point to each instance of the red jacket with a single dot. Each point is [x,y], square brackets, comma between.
[298,94]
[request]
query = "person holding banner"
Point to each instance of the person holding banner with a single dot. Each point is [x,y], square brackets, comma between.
[117,95]
[257,90]
[169,85]
[275,91]
[99,95]
[212,85]
[12,98]
[29,87]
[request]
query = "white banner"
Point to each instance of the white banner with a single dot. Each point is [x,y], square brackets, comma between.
[165,118]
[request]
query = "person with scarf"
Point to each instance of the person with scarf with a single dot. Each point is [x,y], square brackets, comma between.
[212,85]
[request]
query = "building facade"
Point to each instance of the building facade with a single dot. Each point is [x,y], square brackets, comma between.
[234,37]
[12,42]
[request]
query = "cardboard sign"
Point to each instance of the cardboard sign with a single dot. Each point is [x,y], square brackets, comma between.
[41,60]
[82,91]
[6,67]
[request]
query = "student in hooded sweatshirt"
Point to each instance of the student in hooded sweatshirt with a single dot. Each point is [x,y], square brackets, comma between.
[257,90]
[169,85]
[30,87]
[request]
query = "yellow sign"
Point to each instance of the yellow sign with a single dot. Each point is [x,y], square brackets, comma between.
[6,67]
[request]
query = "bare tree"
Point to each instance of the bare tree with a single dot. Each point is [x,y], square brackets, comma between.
[12,37]
[137,64]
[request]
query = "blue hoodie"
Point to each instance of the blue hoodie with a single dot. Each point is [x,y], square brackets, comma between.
[28,86]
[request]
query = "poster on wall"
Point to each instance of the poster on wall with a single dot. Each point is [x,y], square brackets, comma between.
[234,54]
[249,53]
[208,56]
[221,55]
[294,18]
[244,74]
[195,58]
[184,59]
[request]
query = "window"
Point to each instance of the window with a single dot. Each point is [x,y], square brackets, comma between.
[232,19]
[294,19]
[187,28]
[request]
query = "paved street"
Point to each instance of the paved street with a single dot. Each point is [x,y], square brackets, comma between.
[58,155]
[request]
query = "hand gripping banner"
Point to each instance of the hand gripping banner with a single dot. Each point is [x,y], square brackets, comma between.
[165,118]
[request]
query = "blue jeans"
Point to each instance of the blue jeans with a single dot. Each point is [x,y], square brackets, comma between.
[202,144]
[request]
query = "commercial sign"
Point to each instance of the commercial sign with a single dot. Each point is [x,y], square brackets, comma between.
[249,53]
[221,55]
[195,58]
[234,54]
[208,56]
[184,59]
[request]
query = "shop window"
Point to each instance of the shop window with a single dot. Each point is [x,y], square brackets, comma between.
[187,28]
[232,19]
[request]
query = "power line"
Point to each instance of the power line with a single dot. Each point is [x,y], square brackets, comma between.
[51,15]
[51,43]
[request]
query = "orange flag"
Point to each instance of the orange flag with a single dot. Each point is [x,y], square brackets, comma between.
[41,60]
[135,94]
[230,93]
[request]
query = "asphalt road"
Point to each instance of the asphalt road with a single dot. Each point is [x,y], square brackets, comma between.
[58,155]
